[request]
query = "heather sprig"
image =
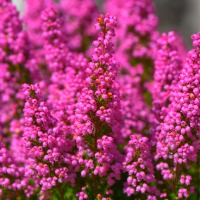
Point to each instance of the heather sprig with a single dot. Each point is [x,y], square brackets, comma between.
[177,138]
[114,119]
[97,114]
[47,145]
[136,42]
[138,163]
[168,65]
[14,53]
[66,69]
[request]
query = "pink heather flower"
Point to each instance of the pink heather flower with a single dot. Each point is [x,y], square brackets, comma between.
[13,57]
[67,70]
[33,23]
[107,158]
[136,40]
[168,65]
[82,195]
[65,87]
[100,93]
[185,179]
[48,147]
[178,133]
[97,112]
[183,193]
[12,174]
[14,53]
[139,166]
[136,116]
[73,128]
[136,33]
[79,18]
[31,17]
[54,41]
[184,102]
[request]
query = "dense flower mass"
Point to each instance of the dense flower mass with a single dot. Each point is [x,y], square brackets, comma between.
[138,164]
[178,133]
[97,107]
[47,146]
[13,59]
[168,64]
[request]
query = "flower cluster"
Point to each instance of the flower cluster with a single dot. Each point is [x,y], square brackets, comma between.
[97,111]
[13,58]
[94,106]
[168,64]
[54,50]
[177,136]
[136,39]
[11,173]
[47,146]
[138,164]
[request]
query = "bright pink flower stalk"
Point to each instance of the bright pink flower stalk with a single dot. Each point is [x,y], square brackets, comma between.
[177,140]
[136,36]
[13,57]
[138,164]
[97,113]
[66,133]
[48,147]
[168,65]
[66,69]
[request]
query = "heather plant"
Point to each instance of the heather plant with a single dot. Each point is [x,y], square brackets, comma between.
[14,53]
[136,44]
[177,137]
[96,106]
[168,65]
[97,113]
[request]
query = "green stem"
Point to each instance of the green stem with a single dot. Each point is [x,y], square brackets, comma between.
[95,150]
[175,179]
[60,192]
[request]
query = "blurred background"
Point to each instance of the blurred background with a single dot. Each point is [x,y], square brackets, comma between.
[182,16]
